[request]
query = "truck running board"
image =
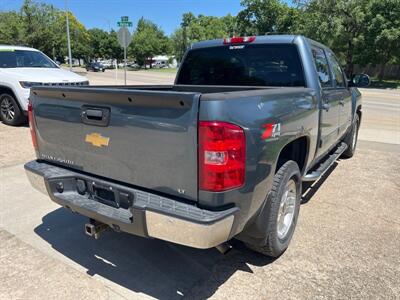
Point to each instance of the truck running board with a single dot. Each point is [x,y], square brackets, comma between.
[314,174]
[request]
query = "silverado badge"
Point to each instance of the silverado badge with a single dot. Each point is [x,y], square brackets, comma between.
[97,140]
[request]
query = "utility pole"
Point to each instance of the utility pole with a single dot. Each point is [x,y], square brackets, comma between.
[68,38]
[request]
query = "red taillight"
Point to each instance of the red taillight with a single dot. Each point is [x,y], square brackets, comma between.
[222,156]
[32,126]
[239,40]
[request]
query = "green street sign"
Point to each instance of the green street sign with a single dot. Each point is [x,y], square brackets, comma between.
[124,22]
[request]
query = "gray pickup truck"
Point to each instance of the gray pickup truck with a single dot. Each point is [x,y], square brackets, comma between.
[220,154]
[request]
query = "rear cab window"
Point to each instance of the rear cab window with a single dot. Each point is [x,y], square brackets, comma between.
[243,65]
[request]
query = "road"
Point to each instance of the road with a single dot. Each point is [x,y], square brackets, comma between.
[346,244]
[109,77]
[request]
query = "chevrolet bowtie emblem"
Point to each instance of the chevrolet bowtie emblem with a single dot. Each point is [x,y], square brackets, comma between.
[97,140]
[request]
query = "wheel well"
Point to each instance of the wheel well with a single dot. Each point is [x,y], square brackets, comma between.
[296,151]
[4,89]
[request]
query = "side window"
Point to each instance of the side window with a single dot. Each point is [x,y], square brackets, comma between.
[321,63]
[337,72]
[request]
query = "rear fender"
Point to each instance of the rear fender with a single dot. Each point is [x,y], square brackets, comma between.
[355,101]
[255,227]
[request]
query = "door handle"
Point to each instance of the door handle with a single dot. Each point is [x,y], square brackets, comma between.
[93,114]
[99,116]
[326,106]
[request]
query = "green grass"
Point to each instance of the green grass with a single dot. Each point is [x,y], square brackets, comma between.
[164,70]
[385,84]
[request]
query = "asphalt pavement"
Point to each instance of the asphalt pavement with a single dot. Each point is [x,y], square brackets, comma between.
[346,245]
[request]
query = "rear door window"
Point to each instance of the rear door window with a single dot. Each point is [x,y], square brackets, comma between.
[337,72]
[322,66]
[243,65]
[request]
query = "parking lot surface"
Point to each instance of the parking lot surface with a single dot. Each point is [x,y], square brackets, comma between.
[346,245]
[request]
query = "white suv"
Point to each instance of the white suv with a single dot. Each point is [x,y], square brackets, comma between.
[20,69]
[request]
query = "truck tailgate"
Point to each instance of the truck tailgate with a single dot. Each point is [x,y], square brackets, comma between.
[144,138]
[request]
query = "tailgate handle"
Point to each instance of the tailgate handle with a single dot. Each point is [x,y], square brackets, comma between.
[99,116]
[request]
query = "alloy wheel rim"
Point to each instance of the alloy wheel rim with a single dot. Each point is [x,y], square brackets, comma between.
[7,109]
[287,209]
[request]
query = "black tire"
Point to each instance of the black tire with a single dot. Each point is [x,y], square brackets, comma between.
[351,139]
[274,245]
[10,113]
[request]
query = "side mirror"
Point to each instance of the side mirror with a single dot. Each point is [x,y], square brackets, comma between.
[360,80]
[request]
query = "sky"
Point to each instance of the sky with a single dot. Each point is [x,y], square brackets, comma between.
[167,14]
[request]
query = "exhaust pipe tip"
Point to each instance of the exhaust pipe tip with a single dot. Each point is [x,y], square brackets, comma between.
[224,248]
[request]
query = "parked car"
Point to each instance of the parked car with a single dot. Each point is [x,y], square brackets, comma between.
[95,67]
[107,64]
[133,65]
[22,68]
[159,64]
[221,154]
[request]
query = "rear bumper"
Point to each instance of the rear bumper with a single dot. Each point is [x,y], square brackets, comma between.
[146,214]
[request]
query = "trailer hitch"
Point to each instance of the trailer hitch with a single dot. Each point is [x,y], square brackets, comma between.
[95,228]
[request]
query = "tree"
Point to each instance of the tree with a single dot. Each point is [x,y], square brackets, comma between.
[179,43]
[382,37]
[261,17]
[230,25]
[11,28]
[78,34]
[340,24]
[111,47]
[194,29]
[38,20]
[97,38]
[147,41]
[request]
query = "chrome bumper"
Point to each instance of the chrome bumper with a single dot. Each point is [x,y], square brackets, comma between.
[202,236]
[37,181]
[167,220]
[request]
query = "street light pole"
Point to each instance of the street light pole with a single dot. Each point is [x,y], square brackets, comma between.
[124,39]
[68,38]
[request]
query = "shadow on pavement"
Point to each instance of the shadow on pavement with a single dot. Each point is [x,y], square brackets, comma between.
[152,267]
[310,188]
[158,269]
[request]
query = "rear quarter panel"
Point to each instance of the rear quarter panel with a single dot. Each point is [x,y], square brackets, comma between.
[296,112]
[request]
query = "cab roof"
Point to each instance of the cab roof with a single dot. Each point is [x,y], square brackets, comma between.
[263,39]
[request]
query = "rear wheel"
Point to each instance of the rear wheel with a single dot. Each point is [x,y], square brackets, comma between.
[10,112]
[281,211]
[351,139]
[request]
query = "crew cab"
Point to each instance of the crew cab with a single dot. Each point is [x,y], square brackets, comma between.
[20,69]
[220,154]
